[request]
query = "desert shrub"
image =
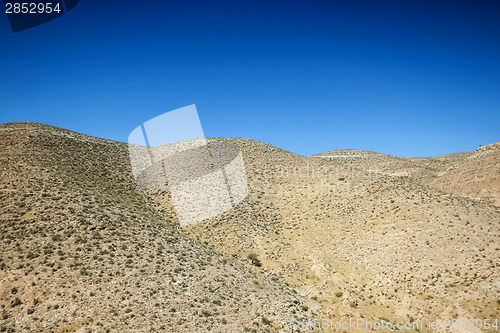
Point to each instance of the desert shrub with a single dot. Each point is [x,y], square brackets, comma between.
[15,302]
[255,260]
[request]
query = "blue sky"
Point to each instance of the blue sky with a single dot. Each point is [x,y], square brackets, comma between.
[407,78]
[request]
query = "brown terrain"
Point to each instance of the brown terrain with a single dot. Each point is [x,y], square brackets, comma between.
[343,234]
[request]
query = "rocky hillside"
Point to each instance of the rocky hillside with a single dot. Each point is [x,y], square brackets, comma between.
[84,250]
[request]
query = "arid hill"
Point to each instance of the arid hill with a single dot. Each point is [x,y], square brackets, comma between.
[84,250]
[341,235]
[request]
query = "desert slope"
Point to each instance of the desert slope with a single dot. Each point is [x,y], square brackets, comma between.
[82,249]
[340,236]
[367,228]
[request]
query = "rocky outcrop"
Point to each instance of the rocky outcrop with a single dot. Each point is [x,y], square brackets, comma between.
[491,146]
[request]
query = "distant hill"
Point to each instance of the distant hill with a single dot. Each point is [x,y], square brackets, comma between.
[476,177]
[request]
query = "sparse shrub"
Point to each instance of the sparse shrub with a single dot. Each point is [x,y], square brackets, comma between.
[255,260]
[339,294]
[15,302]
[31,256]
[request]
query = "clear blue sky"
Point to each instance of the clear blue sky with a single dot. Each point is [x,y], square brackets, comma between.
[407,78]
